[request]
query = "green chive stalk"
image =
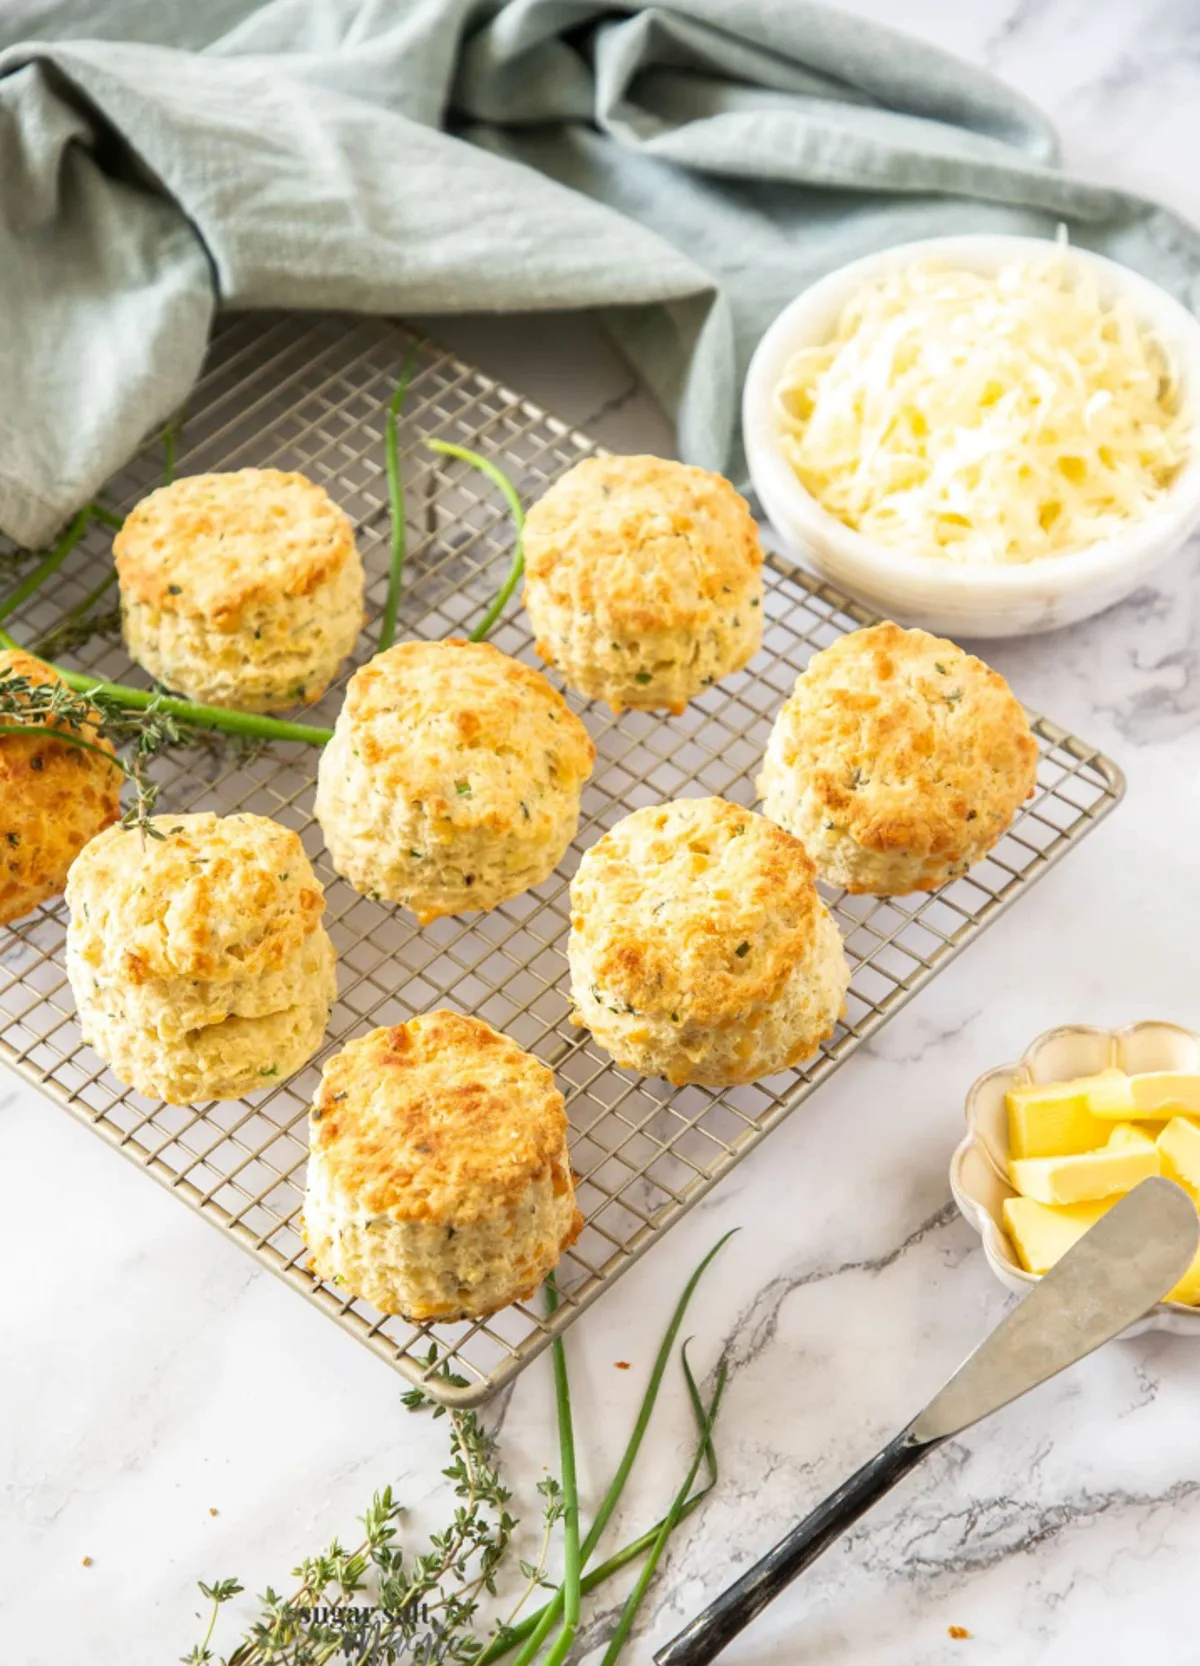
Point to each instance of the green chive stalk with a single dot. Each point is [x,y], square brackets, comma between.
[51,733]
[515,509]
[673,1516]
[227,722]
[572,1566]
[187,711]
[540,1625]
[395,480]
[170,440]
[513,1636]
[115,522]
[50,565]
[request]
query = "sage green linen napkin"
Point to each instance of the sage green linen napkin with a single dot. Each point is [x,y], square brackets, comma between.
[683,167]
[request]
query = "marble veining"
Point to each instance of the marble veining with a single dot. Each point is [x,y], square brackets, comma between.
[152,1374]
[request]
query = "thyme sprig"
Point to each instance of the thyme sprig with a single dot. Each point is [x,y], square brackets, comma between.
[80,710]
[437,1591]
[58,712]
[433,1601]
[80,625]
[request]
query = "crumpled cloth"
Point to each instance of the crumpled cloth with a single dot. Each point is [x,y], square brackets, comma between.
[684,167]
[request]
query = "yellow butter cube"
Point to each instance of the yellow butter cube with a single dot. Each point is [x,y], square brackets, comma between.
[1128,1136]
[1127,1159]
[1058,1119]
[1164,1093]
[1042,1233]
[1179,1149]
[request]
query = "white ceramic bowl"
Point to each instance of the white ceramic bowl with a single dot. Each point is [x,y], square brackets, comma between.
[950,597]
[979,1167]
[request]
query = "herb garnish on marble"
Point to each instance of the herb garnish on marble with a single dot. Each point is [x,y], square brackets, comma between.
[382,1604]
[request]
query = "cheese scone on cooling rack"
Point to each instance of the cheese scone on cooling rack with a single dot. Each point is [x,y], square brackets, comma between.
[643,580]
[700,949]
[54,797]
[453,779]
[242,590]
[898,761]
[197,957]
[439,1183]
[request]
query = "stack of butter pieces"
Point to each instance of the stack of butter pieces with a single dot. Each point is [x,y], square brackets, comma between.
[1075,1147]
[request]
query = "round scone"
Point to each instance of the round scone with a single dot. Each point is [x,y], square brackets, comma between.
[197,957]
[241,590]
[898,761]
[643,580]
[439,1183]
[699,948]
[54,795]
[453,778]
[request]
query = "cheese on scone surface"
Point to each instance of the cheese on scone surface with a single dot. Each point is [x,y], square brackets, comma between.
[439,1184]
[898,761]
[242,590]
[196,955]
[453,779]
[643,580]
[700,950]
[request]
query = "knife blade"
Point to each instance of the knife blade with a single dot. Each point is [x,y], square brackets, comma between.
[1112,1277]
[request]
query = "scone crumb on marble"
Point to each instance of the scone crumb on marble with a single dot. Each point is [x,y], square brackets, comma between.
[439,1183]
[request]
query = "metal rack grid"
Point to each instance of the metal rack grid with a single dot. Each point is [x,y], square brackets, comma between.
[308,393]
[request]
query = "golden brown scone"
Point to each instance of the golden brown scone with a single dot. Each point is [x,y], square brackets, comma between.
[699,948]
[222,898]
[643,580]
[898,761]
[242,589]
[439,1183]
[54,797]
[453,778]
[196,955]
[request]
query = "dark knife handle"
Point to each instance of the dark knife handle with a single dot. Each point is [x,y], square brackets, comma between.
[715,1628]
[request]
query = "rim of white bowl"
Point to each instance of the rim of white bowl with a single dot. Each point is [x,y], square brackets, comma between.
[807,320]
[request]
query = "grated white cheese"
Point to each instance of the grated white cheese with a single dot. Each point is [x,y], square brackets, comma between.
[984,419]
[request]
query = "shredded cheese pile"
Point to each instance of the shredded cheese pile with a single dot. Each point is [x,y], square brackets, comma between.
[984,419]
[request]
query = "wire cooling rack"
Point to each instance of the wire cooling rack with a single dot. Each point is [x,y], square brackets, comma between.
[308,393]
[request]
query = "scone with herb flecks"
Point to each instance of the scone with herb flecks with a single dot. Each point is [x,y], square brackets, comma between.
[898,761]
[700,949]
[197,957]
[453,779]
[439,1184]
[242,590]
[643,580]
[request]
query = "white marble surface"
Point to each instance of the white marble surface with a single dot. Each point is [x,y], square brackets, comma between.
[151,1374]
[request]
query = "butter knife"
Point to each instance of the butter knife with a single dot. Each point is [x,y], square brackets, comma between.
[1113,1276]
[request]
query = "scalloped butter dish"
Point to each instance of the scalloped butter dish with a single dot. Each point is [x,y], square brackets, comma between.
[979,1169]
